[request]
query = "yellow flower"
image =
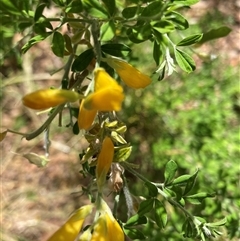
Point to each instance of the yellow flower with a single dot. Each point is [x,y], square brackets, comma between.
[104,162]
[70,230]
[130,75]
[107,96]
[85,117]
[46,98]
[105,228]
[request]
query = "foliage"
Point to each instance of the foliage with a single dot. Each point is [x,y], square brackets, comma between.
[99,36]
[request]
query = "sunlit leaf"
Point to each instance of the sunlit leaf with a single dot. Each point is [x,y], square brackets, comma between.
[136,220]
[107,31]
[190,40]
[34,40]
[164,26]
[190,183]
[198,198]
[178,20]
[184,61]
[39,161]
[170,171]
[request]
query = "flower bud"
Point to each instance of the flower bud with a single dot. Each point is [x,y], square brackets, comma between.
[46,98]
[131,76]
[85,117]
[104,162]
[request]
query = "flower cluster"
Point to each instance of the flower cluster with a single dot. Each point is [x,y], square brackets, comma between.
[105,96]
[104,228]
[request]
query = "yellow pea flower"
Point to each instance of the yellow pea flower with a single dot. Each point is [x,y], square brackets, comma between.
[46,98]
[107,228]
[85,117]
[130,75]
[107,99]
[107,96]
[104,162]
[70,230]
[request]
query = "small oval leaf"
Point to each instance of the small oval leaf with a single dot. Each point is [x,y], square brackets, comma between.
[58,44]
[39,161]
[83,60]
[190,40]
[184,61]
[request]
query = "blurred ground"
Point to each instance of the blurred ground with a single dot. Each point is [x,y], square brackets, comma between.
[35,201]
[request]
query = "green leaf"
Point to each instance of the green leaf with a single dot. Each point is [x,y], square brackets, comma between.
[24,25]
[190,40]
[130,12]
[68,43]
[58,44]
[217,224]
[75,128]
[74,111]
[117,137]
[189,229]
[60,3]
[178,20]
[156,52]
[34,40]
[181,180]
[140,33]
[83,60]
[152,189]
[184,61]
[39,11]
[122,154]
[39,161]
[198,198]
[134,233]
[186,2]
[164,26]
[152,9]
[160,214]
[136,220]
[10,7]
[74,6]
[111,6]
[118,50]
[190,183]
[145,206]
[170,171]
[215,33]
[95,9]
[107,31]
